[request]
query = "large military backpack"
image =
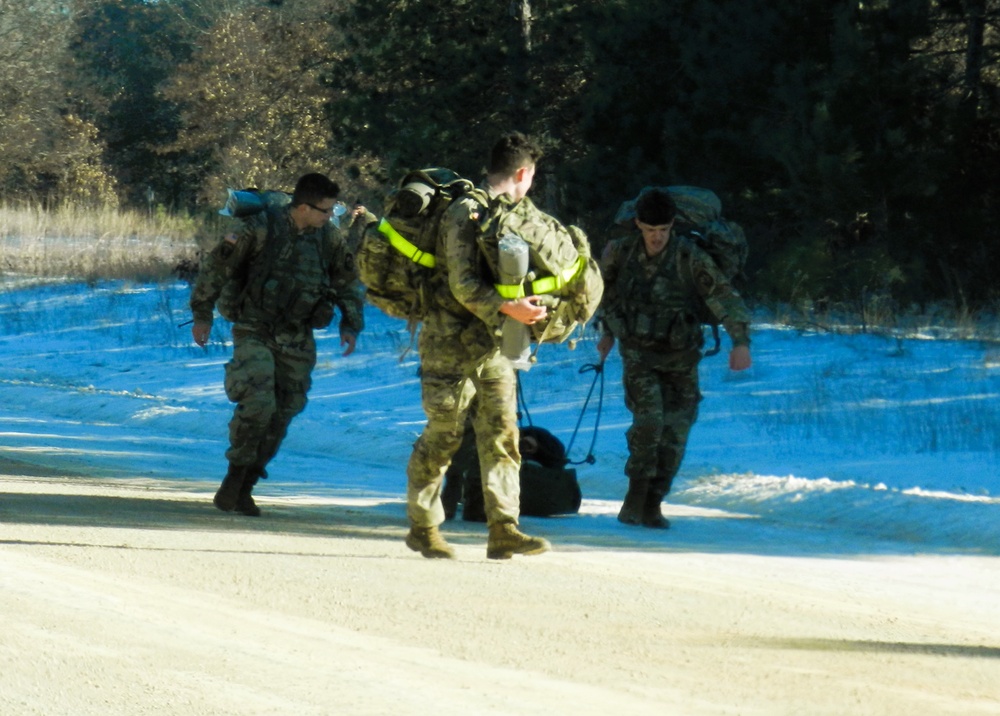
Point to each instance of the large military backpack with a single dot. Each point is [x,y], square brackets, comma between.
[241,205]
[396,257]
[572,290]
[699,218]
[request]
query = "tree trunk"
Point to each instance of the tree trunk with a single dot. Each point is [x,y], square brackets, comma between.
[974,51]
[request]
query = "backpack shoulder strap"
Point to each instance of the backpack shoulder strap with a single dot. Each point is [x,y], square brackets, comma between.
[261,268]
[687,251]
[479,195]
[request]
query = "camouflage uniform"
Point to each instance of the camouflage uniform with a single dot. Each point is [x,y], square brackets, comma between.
[652,306]
[292,286]
[462,370]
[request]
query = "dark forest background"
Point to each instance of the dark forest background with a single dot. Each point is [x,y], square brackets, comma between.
[858,143]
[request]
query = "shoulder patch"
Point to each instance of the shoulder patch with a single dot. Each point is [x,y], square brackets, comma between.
[230,238]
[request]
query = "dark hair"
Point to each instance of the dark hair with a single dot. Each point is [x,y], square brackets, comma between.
[656,208]
[511,152]
[312,188]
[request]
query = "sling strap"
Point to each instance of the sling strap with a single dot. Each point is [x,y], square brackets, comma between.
[406,247]
[545,284]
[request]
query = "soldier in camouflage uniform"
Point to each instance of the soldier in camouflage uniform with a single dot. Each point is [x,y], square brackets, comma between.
[655,283]
[296,268]
[463,371]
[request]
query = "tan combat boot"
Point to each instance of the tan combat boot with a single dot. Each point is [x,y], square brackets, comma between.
[429,542]
[506,540]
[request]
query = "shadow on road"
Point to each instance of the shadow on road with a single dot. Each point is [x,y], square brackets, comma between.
[35,496]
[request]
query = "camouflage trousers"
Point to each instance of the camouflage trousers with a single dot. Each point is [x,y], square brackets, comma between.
[664,407]
[455,385]
[268,379]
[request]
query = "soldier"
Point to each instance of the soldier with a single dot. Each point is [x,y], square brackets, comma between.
[655,283]
[460,361]
[295,268]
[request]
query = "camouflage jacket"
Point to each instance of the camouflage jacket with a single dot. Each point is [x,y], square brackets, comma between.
[656,303]
[290,280]
[464,288]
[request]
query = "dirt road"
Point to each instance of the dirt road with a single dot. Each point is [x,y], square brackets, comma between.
[137,597]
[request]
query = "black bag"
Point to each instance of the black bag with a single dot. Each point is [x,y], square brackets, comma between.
[548,487]
[548,491]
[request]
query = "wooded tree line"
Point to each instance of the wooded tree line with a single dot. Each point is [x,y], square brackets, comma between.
[856,142]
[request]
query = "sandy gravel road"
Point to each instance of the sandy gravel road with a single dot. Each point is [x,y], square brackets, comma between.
[131,597]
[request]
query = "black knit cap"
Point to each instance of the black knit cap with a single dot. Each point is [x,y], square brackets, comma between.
[655,207]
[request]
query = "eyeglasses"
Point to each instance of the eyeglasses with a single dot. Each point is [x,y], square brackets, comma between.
[320,210]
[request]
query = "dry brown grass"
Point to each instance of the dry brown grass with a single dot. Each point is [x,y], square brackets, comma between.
[94,244]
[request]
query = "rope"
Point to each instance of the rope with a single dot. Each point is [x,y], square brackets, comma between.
[598,369]
[522,407]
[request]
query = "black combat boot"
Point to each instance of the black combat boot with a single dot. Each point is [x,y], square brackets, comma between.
[228,493]
[651,514]
[634,506]
[244,503]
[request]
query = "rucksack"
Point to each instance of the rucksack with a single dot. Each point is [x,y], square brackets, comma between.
[244,205]
[241,203]
[699,218]
[572,293]
[396,256]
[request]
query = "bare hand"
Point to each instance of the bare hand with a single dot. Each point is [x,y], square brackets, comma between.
[604,346]
[739,358]
[349,339]
[200,333]
[525,310]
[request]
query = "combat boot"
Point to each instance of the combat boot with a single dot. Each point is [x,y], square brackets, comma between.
[429,542]
[506,540]
[651,514]
[634,505]
[244,503]
[228,493]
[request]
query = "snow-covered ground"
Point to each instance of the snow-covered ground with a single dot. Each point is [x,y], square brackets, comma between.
[834,543]
[851,438]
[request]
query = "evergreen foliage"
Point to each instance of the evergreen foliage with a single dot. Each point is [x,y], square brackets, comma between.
[857,143]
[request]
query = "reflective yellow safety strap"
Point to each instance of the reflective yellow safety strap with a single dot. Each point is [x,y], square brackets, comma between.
[510,291]
[545,284]
[405,247]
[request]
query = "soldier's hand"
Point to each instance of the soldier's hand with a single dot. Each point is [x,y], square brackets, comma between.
[525,310]
[604,346]
[739,358]
[349,339]
[200,333]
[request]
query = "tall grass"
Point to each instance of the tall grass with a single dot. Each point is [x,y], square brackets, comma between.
[881,318]
[92,244]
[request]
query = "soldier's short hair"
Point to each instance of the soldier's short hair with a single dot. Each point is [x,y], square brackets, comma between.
[511,152]
[313,188]
[656,208]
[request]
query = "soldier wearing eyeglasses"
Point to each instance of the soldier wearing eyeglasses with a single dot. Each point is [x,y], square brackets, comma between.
[291,268]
